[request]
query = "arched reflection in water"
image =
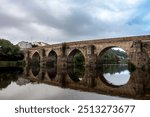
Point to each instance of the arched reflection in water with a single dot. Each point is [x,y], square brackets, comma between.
[76,73]
[75,64]
[51,64]
[52,59]
[35,69]
[113,61]
[35,64]
[116,75]
[52,72]
[42,88]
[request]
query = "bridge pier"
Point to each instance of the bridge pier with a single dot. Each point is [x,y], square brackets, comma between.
[62,61]
[138,56]
[42,58]
[27,58]
[90,77]
[61,74]
[62,57]
[91,58]
[140,79]
[62,65]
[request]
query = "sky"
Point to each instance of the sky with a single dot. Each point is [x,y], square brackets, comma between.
[57,21]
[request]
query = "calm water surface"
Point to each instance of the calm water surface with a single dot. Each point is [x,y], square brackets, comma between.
[109,82]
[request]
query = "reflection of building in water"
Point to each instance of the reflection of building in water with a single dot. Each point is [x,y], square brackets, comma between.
[137,87]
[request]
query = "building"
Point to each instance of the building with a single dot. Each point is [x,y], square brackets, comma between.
[24,45]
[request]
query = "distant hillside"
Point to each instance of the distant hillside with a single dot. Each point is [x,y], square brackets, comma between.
[112,56]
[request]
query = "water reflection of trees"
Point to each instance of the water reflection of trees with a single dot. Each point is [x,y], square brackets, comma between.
[8,75]
[112,69]
[76,64]
[113,56]
[76,73]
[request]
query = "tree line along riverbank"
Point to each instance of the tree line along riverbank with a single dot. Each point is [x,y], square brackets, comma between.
[10,55]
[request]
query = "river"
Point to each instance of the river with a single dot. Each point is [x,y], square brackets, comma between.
[111,82]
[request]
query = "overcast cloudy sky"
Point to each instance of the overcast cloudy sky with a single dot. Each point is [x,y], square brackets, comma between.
[55,21]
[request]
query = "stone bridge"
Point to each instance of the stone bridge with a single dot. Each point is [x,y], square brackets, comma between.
[137,48]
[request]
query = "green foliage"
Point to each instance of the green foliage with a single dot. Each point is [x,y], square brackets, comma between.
[8,51]
[112,56]
[77,68]
[7,48]
[78,59]
[112,69]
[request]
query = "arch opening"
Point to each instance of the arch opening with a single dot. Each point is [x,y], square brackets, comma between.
[52,72]
[35,70]
[51,64]
[76,65]
[113,64]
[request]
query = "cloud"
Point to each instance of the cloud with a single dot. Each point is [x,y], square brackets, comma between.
[70,20]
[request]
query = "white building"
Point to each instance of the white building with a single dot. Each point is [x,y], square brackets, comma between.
[24,45]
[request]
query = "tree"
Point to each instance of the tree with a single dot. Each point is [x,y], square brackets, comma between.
[78,59]
[8,51]
[112,56]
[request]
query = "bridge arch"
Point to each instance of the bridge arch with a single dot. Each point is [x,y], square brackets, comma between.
[72,55]
[75,63]
[113,65]
[52,52]
[35,70]
[52,73]
[73,51]
[114,46]
[104,50]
